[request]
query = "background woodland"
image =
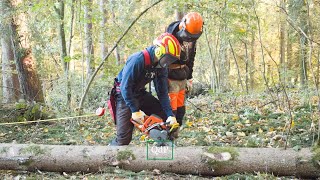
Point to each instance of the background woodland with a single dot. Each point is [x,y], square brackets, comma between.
[257,69]
[50,49]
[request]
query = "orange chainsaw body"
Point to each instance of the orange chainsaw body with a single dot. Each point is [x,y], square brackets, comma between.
[149,123]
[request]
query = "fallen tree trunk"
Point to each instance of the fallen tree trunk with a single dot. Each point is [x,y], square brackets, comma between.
[206,161]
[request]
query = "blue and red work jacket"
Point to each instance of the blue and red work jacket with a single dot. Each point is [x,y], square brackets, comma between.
[135,75]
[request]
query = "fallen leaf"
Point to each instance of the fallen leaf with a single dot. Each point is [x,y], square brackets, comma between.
[156,172]
[229,134]
[143,137]
[189,124]
[242,134]
[89,138]
[292,124]
[235,118]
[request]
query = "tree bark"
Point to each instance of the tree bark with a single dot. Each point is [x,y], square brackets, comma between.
[282,74]
[29,81]
[247,67]
[29,78]
[223,65]
[89,50]
[252,62]
[103,12]
[113,19]
[63,49]
[237,66]
[10,82]
[62,158]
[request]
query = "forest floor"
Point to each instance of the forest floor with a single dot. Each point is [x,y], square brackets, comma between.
[259,120]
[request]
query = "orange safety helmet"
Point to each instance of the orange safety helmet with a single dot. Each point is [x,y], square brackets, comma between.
[192,22]
[167,49]
[190,27]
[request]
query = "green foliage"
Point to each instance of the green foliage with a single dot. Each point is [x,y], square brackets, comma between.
[249,114]
[35,150]
[316,156]
[4,150]
[21,106]
[125,155]
[217,150]
[21,112]
[250,124]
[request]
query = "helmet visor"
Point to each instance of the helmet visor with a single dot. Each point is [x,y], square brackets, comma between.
[166,60]
[188,37]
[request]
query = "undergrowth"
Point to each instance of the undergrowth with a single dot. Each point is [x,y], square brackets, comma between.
[223,121]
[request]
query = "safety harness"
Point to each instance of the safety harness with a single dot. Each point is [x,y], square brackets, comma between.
[147,60]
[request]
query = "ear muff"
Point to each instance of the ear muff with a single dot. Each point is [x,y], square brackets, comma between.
[159,51]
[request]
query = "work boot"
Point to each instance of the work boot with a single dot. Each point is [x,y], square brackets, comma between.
[113,142]
[175,134]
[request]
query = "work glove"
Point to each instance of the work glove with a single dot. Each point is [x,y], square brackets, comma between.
[189,85]
[171,120]
[138,116]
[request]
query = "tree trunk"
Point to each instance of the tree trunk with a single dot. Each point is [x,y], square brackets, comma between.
[113,18]
[8,88]
[213,73]
[223,60]
[247,67]
[282,74]
[302,15]
[206,161]
[261,46]
[29,82]
[89,50]
[252,60]
[290,59]
[178,14]
[10,82]
[63,49]
[237,66]
[103,12]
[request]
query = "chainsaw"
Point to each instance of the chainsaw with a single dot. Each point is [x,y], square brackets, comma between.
[154,127]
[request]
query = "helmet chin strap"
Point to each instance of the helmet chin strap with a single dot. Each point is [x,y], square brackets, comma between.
[158,64]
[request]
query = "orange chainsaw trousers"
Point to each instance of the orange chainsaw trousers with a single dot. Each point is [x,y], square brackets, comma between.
[177,92]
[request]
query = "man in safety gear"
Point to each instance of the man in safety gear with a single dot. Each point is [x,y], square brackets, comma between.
[187,31]
[132,99]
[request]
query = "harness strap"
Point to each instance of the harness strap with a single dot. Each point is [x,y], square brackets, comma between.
[147,60]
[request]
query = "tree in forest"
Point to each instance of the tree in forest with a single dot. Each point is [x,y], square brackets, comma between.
[29,83]
[89,45]
[224,64]
[282,41]
[60,10]
[113,18]
[103,13]
[297,18]
[10,82]
[303,15]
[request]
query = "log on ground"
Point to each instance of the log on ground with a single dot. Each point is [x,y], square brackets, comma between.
[196,160]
